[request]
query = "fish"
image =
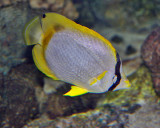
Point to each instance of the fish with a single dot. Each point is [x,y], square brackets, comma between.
[66,51]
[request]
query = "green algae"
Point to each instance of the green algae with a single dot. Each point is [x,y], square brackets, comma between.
[141,90]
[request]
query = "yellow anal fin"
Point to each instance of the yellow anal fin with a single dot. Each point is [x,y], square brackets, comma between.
[76,91]
[40,61]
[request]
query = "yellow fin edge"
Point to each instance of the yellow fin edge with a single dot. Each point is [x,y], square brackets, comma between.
[49,21]
[40,62]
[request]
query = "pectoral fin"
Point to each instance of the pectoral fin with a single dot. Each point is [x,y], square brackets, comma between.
[40,61]
[33,32]
[76,91]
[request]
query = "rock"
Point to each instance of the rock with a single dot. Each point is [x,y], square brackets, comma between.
[12,20]
[57,105]
[130,50]
[22,96]
[151,55]
[108,116]
[64,7]
[4,3]
[69,10]
[146,117]
[117,39]
[18,99]
[110,109]
[50,86]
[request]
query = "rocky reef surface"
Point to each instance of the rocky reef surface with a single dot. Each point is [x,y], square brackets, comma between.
[29,99]
[114,109]
[24,103]
[151,56]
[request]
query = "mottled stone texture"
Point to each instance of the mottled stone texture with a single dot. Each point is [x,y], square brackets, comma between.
[151,56]
[4,3]
[18,103]
[137,108]
[58,105]
[146,117]
[12,47]
[106,117]
[21,96]
[64,7]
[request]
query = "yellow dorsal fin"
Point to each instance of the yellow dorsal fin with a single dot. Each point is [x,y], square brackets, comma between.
[98,78]
[32,32]
[76,91]
[40,62]
[57,22]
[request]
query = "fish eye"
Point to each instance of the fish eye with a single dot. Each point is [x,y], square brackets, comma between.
[115,79]
[44,15]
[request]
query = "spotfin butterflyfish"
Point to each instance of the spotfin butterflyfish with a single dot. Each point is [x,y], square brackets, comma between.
[75,54]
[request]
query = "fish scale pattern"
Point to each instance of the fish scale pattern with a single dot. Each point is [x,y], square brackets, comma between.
[74,60]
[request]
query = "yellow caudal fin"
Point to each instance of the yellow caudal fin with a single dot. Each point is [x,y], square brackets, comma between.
[33,32]
[124,83]
[40,62]
[76,91]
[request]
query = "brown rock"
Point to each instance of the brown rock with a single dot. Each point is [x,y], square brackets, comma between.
[109,116]
[9,2]
[64,7]
[19,103]
[58,105]
[146,117]
[151,55]
[39,4]
[70,10]
[156,81]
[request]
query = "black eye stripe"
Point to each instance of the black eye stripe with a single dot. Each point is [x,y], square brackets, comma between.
[117,73]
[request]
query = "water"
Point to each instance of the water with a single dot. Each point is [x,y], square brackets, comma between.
[29,99]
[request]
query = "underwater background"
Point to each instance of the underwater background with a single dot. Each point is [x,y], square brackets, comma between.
[28,99]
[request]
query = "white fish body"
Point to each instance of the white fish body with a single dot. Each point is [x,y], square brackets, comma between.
[75,54]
